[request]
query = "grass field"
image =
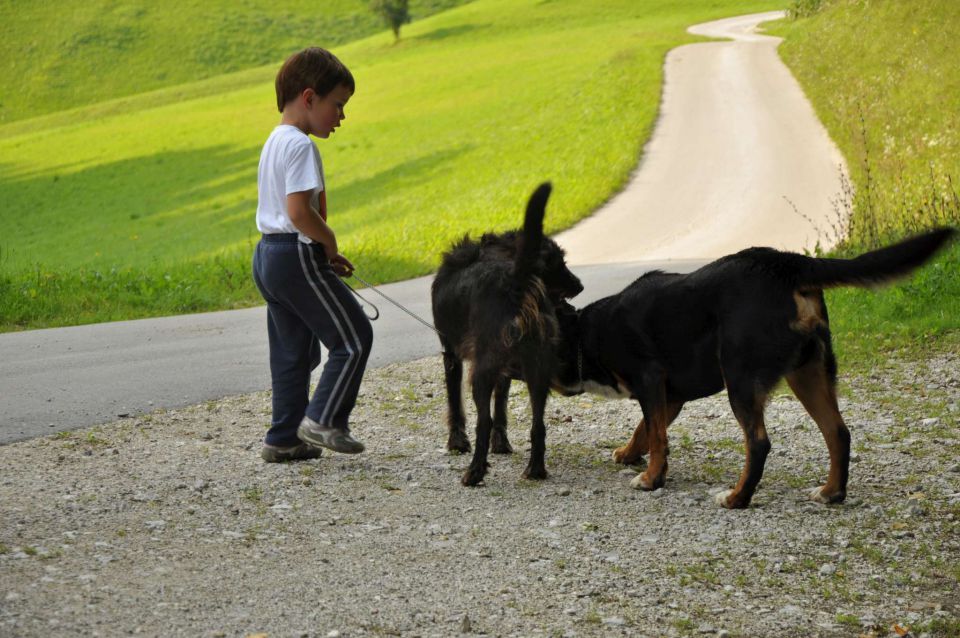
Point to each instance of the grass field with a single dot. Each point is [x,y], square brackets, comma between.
[144,206]
[60,55]
[884,78]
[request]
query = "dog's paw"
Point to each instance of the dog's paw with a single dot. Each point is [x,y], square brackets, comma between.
[641,482]
[472,477]
[644,482]
[535,474]
[500,444]
[625,456]
[818,495]
[720,498]
[459,444]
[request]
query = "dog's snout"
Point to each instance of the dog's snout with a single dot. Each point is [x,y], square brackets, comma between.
[575,287]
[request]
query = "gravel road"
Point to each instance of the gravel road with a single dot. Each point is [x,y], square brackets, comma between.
[169,524]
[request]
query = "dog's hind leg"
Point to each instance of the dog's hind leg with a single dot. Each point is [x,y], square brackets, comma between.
[499,443]
[483,383]
[748,399]
[457,440]
[815,386]
[637,446]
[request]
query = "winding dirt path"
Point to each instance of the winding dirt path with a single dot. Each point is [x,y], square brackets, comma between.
[736,148]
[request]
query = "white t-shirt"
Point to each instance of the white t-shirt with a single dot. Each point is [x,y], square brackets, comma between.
[289,163]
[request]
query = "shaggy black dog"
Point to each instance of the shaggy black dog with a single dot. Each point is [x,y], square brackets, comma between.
[742,323]
[493,304]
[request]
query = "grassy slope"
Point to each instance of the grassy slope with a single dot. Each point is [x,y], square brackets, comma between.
[60,55]
[884,78]
[141,210]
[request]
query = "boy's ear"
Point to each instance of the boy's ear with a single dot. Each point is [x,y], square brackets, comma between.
[307,96]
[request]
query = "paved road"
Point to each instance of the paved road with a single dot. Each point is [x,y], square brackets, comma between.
[68,378]
[734,138]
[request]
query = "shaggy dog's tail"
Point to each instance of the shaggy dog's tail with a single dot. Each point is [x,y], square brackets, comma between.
[529,291]
[528,243]
[876,267]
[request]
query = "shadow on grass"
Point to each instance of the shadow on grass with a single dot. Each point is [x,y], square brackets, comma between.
[161,205]
[451,32]
[165,206]
[397,178]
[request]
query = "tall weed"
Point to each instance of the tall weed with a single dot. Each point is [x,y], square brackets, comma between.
[803,8]
[906,202]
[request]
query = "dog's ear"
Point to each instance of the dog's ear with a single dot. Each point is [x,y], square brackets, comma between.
[528,246]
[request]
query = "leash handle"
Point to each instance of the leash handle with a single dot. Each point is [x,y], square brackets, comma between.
[393,301]
[376,310]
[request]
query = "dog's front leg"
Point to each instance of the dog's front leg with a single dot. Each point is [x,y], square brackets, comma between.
[457,440]
[483,384]
[657,415]
[638,444]
[537,468]
[499,443]
[655,476]
[635,448]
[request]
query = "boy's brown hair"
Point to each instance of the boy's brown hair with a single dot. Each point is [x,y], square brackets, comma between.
[313,68]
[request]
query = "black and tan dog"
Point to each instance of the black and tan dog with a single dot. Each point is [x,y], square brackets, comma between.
[493,304]
[742,323]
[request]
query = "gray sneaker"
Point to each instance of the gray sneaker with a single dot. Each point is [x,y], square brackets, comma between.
[336,439]
[298,452]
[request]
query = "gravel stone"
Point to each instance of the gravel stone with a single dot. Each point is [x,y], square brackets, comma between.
[185,531]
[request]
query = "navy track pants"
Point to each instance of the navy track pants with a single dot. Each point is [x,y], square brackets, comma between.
[307,305]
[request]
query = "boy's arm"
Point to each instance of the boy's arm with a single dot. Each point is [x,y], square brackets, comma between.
[308,221]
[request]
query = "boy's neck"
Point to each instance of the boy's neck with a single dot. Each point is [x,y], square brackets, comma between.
[294,124]
[292,116]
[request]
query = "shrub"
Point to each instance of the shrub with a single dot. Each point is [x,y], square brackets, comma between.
[394,13]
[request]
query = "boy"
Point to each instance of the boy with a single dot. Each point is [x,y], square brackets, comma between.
[296,267]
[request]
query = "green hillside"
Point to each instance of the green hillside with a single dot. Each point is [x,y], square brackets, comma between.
[144,206]
[884,77]
[59,55]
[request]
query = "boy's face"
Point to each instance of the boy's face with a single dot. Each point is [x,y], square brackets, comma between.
[325,113]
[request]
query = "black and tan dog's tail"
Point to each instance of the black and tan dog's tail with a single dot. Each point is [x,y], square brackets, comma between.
[876,267]
[531,237]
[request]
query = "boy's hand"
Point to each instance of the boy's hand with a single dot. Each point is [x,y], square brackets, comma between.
[341,265]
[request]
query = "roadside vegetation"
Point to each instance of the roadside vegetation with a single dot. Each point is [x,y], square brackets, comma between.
[884,78]
[143,206]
